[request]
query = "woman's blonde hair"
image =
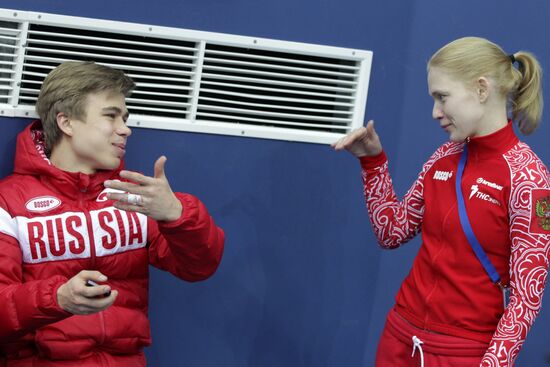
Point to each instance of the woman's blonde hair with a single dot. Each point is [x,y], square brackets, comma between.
[66,89]
[470,58]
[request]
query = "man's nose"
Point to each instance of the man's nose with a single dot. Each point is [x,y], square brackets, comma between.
[123,129]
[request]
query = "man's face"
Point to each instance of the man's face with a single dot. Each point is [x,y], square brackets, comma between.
[99,138]
[456,107]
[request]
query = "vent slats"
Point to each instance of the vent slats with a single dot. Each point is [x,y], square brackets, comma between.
[248,87]
[281,76]
[150,110]
[141,101]
[149,93]
[271,114]
[266,122]
[37,82]
[98,48]
[304,86]
[8,63]
[251,87]
[57,61]
[29,91]
[93,55]
[274,98]
[291,69]
[277,89]
[7,28]
[10,37]
[283,60]
[142,76]
[163,69]
[267,107]
[80,39]
[5,41]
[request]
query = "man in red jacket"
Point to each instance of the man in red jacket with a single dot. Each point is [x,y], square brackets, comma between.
[77,232]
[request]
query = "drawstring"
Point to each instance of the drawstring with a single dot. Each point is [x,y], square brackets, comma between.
[417,343]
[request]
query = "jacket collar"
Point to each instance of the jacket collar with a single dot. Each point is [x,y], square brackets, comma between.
[30,159]
[497,143]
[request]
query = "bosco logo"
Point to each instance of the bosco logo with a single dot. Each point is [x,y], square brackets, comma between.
[442,175]
[42,204]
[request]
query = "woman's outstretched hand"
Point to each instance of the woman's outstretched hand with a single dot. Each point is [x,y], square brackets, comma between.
[360,142]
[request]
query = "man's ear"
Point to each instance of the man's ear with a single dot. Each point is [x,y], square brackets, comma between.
[483,89]
[64,123]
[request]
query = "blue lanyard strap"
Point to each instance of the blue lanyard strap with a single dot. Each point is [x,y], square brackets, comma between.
[465,222]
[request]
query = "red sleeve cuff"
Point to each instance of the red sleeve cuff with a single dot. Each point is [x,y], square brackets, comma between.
[57,282]
[372,162]
[188,213]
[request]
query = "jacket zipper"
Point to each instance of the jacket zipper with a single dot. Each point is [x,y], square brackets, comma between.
[436,272]
[92,257]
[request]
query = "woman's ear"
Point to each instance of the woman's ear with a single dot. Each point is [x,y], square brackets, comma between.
[64,123]
[483,89]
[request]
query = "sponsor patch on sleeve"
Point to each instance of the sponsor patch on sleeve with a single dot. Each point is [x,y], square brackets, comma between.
[540,211]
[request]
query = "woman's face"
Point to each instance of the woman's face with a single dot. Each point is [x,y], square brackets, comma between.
[458,108]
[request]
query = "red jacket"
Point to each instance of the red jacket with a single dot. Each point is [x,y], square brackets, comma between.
[53,224]
[507,197]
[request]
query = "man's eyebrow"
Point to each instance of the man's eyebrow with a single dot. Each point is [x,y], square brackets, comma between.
[112,109]
[117,110]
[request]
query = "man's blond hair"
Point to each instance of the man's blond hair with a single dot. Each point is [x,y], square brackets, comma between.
[66,89]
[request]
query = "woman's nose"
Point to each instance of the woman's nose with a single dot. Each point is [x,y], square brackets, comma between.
[437,114]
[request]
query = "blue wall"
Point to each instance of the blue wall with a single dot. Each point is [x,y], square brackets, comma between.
[302,282]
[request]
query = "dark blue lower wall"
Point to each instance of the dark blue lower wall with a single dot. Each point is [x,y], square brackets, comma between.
[291,287]
[302,281]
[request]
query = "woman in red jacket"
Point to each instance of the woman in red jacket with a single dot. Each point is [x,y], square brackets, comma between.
[454,309]
[77,232]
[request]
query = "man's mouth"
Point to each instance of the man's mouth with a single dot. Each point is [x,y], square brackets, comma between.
[121,149]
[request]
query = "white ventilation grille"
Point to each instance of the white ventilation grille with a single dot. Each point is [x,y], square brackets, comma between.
[9,44]
[162,69]
[193,81]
